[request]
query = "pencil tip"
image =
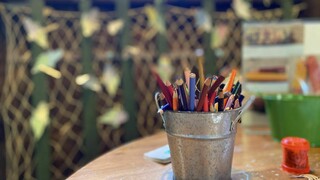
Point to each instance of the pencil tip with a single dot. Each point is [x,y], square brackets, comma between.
[207,82]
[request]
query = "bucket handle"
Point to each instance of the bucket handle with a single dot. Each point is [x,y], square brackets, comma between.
[242,110]
[156,99]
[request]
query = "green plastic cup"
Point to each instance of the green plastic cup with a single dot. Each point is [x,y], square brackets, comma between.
[294,115]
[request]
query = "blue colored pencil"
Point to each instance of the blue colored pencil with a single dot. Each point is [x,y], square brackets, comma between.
[192,91]
[182,95]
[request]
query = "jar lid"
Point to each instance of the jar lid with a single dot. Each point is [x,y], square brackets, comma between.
[295,142]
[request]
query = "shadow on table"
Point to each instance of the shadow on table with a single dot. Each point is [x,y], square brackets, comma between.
[235,175]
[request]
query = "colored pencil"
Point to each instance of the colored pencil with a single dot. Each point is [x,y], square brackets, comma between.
[187,93]
[236,104]
[162,108]
[162,99]
[204,91]
[229,102]
[236,88]
[200,68]
[227,94]
[228,88]
[182,95]
[212,109]
[175,101]
[220,99]
[231,80]
[215,85]
[216,107]
[170,87]
[163,87]
[214,78]
[213,96]
[241,97]
[206,104]
[192,91]
[187,77]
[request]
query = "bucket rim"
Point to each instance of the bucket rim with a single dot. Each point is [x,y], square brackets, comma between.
[196,112]
[289,97]
[202,137]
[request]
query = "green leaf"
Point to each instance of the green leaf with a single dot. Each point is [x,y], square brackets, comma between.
[219,35]
[156,21]
[35,32]
[49,59]
[40,119]
[242,9]
[115,26]
[165,68]
[111,79]
[114,117]
[90,22]
[203,20]
[89,81]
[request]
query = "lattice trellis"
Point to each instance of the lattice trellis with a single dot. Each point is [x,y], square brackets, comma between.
[64,94]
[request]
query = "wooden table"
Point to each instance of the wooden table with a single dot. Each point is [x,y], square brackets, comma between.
[255,157]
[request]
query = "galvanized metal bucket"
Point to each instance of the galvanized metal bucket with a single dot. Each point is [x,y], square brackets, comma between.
[201,144]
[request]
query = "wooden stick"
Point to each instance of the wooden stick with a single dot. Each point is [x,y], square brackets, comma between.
[201,71]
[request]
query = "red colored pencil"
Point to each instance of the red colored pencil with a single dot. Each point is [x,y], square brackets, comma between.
[170,87]
[212,98]
[163,87]
[203,94]
[206,104]
[215,85]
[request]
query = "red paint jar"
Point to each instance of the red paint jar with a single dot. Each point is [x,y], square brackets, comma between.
[295,155]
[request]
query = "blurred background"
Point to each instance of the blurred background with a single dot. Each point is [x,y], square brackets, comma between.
[75,78]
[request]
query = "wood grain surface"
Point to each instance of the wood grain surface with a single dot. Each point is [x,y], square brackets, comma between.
[255,157]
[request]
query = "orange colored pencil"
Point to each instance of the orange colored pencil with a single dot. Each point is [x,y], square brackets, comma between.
[204,92]
[228,88]
[175,101]
[231,80]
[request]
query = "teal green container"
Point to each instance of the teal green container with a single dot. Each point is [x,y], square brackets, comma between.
[294,115]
